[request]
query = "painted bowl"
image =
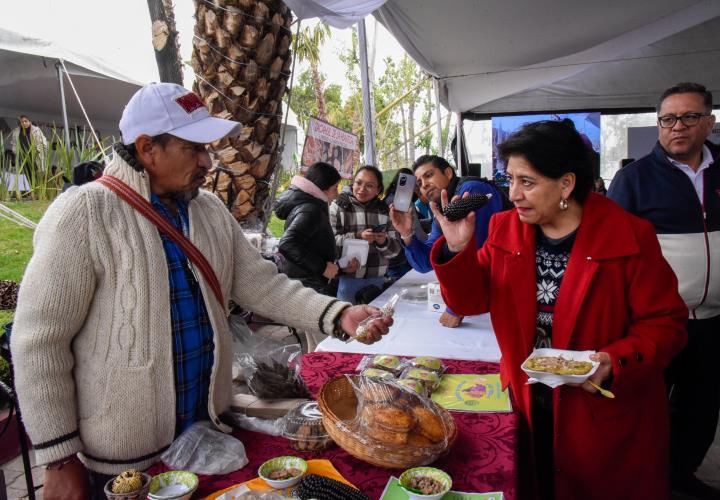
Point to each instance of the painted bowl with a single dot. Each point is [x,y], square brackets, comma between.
[280,463]
[140,494]
[430,472]
[173,485]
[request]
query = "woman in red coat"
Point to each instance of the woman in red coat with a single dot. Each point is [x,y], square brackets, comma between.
[569,269]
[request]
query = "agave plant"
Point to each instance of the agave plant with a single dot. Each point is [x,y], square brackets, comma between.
[44,171]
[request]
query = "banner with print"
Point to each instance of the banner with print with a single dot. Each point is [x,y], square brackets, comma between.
[587,124]
[327,143]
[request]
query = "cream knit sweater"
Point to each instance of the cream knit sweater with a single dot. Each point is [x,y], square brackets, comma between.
[91,341]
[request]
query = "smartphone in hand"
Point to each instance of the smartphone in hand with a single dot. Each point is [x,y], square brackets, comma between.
[404,192]
[379,228]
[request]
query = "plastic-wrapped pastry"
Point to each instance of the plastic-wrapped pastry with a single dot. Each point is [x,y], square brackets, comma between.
[428,363]
[428,424]
[377,373]
[429,378]
[413,385]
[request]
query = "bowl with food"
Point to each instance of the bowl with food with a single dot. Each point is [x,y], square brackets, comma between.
[130,485]
[173,485]
[282,472]
[554,367]
[425,483]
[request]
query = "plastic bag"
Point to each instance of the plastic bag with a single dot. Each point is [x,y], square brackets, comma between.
[204,450]
[276,375]
[386,362]
[270,368]
[385,311]
[391,416]
[266,426]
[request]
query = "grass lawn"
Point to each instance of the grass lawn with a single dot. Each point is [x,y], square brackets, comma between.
[16,244]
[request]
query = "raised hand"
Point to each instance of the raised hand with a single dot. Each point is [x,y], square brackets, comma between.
[457,233]
[402,221]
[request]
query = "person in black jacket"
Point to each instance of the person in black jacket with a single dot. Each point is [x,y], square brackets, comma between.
[308,243]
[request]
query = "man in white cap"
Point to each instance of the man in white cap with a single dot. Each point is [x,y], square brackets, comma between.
[121,339]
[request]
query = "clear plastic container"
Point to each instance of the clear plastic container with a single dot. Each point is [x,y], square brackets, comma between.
[303,426]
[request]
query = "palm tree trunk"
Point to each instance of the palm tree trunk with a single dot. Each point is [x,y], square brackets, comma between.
[241,57]
[318,91]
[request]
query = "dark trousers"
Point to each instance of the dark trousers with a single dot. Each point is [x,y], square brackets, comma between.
[693,383]
[97,485]
[543,442]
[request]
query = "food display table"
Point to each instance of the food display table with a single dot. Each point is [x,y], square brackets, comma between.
[484,457]
[417,331]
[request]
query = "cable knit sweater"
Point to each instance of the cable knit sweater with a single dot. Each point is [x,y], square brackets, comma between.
[91,341]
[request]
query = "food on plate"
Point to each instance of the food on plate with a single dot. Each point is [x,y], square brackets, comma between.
[284,473]
[425,485]
[428,423]
[427,362]
[386,361]
[558,365]
[377,373]
[127,482]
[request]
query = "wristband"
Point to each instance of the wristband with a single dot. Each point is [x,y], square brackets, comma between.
[59,464]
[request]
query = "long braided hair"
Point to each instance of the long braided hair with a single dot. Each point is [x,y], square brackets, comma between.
[129,153]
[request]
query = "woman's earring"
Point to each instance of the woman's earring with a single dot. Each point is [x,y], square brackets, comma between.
[563,204]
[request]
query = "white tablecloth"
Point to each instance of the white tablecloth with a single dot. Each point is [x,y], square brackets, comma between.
[418,332]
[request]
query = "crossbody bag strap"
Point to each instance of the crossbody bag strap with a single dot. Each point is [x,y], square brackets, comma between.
[146,209]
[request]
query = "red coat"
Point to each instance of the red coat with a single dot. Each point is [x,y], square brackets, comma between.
[618,295]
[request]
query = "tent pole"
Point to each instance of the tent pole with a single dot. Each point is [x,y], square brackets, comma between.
[459,142]
[64,107]
[369,126]
[436,87]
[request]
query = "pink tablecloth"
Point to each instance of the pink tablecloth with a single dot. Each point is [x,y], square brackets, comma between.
[484,457]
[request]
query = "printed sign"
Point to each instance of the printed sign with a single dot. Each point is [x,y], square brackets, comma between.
[329,144]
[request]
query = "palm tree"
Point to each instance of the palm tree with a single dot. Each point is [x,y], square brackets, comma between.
[242,58]
[307,46]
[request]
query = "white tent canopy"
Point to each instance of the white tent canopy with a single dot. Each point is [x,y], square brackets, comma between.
[29,83]
[506,56]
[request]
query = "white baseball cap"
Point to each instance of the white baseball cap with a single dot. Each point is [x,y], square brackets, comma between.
[167,108]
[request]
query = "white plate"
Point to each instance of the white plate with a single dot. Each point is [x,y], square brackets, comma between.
[553,380]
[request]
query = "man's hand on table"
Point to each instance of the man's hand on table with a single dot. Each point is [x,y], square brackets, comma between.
[352,316]
[67,482]
[450,320]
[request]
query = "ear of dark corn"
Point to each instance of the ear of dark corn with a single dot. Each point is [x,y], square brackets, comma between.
[324,488]
[456,210]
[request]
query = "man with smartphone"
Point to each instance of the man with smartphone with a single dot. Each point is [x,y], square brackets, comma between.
[433,175]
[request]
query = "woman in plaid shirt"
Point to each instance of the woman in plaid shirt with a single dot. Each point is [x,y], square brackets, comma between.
[363,215]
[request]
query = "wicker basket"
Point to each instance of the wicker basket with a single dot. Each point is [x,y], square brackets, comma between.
[338,404]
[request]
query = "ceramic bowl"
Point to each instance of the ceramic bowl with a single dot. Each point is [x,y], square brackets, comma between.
[140,494]
[554,380]
[282,463]
[436,474]
[173,485]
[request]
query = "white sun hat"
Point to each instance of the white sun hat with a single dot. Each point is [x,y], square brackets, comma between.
[167,108]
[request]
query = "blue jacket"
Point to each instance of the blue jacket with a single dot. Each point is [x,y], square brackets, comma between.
[418,252]
[688,230]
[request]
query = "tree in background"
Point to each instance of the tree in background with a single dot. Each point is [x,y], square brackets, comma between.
[307,45]
[242,59]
